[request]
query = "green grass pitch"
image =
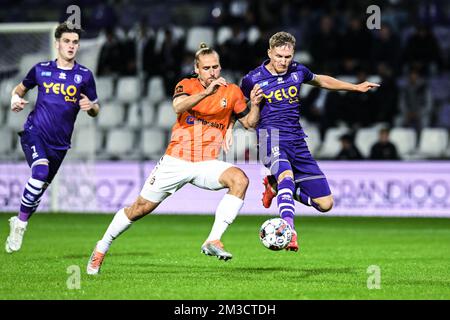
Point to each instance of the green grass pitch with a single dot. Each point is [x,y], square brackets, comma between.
[159,258]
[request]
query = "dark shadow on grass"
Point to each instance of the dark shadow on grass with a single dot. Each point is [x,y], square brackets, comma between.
[308,272]
[110,255]
[183,268]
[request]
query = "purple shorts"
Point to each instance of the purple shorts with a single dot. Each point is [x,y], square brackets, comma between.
[295,156]
[35,149]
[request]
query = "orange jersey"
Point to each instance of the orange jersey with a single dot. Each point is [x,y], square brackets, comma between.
[198,133]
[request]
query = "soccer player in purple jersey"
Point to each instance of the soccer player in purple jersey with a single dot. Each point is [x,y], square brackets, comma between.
[295,173]
[64,88]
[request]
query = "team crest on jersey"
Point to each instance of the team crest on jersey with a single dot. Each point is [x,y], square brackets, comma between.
[46,74]
[62,75]
[223,103]
[77,78]
[295,76]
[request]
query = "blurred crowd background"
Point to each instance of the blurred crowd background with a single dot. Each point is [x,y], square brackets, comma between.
[146,47]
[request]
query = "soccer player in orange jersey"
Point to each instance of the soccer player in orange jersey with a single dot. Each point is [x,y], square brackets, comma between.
[205,105]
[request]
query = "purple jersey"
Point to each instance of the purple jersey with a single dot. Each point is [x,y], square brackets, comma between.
[57,104]
[280,108]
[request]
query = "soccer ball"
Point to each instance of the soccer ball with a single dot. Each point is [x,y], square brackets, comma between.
[275,234]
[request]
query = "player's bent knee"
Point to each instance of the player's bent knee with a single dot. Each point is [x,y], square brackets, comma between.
[240,182]
[325,204]
[235,179]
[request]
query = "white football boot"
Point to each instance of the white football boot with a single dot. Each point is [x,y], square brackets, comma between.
[95,262]
[17,229]
[215,248]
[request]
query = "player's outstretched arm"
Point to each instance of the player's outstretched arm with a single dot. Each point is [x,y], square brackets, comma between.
[87,105]
[252,118]
[330,83]
[184,103]
[17,101]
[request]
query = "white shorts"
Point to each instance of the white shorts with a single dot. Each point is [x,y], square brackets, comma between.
[170,174]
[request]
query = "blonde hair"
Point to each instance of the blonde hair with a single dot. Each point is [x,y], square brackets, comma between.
[203,51]
[280,39]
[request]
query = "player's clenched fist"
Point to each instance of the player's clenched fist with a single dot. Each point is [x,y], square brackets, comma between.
[256,95]
[214,85]
[85,103]
[17,103]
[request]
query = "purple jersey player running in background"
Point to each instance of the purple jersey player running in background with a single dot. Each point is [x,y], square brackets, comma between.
[295,173]
[64,88]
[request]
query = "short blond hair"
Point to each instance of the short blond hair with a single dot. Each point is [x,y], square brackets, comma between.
[280,39]
[203,51]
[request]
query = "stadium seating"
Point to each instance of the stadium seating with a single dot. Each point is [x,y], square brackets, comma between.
[6,137]
[85,120]
[128,89]
[364,140]
[105,88]
[305,89]
[141,114]
[253,34]
[313,139]
[27,61]
[331,144]
[405,139]
[120,144]
[2,115]
[152,142]
[15,120]
[303,57]
[6,87]
[17,152]
[166,117]
[223,34]
[178,34]
[155,89]
[433,143]
[196,35]
[244,140]
[112,115]
[85,143]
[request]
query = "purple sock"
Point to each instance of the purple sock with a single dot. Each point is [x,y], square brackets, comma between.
[25,213]
[285,200]
[24,216]
[34,189]
[302,197]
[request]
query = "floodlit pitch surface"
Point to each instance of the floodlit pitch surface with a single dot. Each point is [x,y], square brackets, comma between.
[159,258]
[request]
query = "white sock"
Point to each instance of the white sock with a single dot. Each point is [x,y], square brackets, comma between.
[118,225]
[226,212]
